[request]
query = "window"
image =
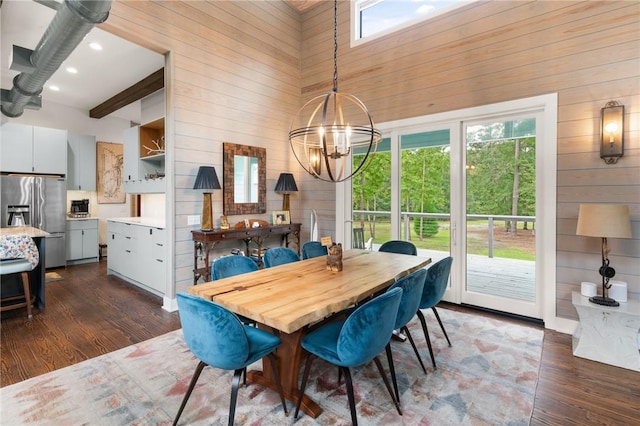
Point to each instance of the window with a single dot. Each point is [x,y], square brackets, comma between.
[371,18]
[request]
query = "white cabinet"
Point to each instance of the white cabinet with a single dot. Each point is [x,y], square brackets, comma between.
[153,258]
[144,165]
[137,253]
[82,240]
[32,149]
[130,150]
[16,153]
[81,162]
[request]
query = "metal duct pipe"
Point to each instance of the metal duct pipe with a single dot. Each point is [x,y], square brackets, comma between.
[73,21]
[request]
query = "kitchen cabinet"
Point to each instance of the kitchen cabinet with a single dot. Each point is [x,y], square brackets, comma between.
[82,240]
[81,162]
[144,158]
[137,253]
[33,149]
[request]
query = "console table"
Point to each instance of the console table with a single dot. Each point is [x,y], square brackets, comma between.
[607,334]
[205,241]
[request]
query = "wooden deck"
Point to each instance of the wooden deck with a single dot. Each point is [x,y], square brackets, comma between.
[514,279]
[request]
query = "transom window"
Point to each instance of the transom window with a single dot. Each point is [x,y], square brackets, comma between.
[372,18]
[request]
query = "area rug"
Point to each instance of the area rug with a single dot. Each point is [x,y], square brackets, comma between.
[488,377]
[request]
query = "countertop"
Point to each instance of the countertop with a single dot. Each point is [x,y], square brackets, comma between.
[82,218]
[145,221]
[24,230]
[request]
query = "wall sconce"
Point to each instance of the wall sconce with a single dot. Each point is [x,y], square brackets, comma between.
[612,132]
[206,179]
[286,184]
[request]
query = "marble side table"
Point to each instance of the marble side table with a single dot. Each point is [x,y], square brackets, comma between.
[607,334]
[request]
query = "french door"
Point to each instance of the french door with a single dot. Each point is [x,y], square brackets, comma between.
[469,184]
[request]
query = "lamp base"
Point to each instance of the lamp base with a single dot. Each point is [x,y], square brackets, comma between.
[601,300]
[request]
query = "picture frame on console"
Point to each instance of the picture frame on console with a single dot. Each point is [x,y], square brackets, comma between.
[281,217]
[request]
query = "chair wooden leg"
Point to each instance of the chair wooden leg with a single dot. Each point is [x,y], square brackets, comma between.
[305,376]
[350,395]
[441,325]
[426,336]
[194,379]
[235,383]
[415,349]
[27,292]
[386,383]
[392,370]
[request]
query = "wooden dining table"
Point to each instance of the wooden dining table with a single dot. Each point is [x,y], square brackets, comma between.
[289,299]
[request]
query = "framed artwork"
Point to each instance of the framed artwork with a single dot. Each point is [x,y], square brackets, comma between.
[109,181]
[281,217]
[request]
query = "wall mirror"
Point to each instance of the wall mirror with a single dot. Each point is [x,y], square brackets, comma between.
[245,179]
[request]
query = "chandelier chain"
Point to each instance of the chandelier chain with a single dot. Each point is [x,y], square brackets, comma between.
[335,46]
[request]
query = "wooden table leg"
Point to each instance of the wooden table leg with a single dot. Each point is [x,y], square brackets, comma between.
[289,356]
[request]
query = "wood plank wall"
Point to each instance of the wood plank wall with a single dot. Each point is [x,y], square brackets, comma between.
[235,77]
[239,69]
[487,52]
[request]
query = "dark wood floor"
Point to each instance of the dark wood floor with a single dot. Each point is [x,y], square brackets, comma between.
[89,314]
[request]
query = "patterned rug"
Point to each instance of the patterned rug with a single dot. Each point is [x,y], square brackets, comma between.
[488,377]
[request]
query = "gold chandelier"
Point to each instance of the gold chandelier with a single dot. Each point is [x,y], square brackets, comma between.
[331,127]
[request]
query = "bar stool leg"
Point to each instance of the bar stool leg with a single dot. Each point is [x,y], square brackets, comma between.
[27,292]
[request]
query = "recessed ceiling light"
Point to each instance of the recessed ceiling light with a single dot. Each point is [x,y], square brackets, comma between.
[95,46]
[72,70]
[54,88]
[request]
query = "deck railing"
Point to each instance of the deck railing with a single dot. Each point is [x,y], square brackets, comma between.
[490,219]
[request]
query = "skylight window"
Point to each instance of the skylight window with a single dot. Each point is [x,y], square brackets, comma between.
[372,18]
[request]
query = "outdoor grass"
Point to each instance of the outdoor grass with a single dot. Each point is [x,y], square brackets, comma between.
[441,241]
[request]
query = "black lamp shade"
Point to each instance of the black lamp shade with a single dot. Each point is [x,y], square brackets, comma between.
[286,184]
[207,178]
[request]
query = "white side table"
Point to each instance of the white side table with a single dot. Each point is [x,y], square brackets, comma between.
[607,334]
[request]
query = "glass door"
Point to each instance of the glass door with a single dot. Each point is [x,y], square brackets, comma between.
[500,222]
[478,184]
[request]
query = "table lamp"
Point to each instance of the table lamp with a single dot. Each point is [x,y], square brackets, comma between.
[604,221]
[206,179]
[286,185]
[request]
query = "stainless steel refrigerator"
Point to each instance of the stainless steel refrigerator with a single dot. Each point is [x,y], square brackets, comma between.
[40,202]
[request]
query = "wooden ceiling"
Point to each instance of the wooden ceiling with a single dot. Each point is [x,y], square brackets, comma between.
[303,5]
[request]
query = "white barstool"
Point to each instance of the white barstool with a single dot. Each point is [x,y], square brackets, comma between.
[18,255]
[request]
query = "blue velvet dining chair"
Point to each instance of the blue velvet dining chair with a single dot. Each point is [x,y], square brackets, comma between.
[399,246]
[435,286]
[279,256]
[313,249]
[229,266]
[354,341]
[218,339]
[412,286]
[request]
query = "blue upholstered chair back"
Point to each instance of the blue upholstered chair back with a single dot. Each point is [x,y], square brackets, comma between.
[214,334]
[229,266]
[412,286]
[436,282]
[279,256]
[368,329]
[399,246]
[313,249]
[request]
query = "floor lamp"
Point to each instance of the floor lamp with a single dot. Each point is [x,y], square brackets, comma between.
[207,179]
[604,221]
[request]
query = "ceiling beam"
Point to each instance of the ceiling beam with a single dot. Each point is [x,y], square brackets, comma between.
[148,85]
